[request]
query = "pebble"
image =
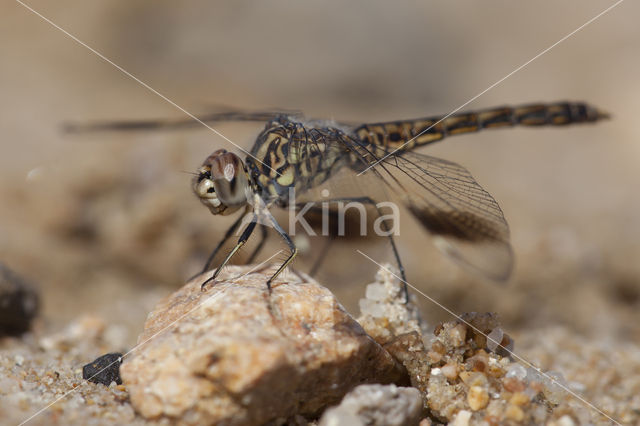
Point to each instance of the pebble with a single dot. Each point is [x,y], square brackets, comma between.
[494,339]
[554,386]
[565,421]
[371,308]
[479,361]
[458,335]
[478,398]
[450,371]
[513,385]
[495,368]
[376,405]
[19,303]
[517,371]
[473,378]
[533,390]
[434,356]
[462,418]
[18,359]
[514,412]
[534,375]
[384,312]
[519,398]
[104,369]
[376,291]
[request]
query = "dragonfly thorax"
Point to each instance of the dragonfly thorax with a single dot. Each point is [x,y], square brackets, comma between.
[222,183]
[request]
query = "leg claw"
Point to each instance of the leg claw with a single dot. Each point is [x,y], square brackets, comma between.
[203,287]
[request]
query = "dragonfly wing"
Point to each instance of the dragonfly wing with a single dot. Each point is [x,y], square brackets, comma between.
[173,124]
[465,219]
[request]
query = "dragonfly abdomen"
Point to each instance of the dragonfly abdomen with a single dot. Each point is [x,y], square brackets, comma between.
[408,134]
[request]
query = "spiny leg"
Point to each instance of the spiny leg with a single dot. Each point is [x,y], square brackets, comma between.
[232,229]
[396,254]
[288,240]
[241,241]
[264,234]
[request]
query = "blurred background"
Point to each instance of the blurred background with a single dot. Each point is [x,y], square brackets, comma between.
[107,223]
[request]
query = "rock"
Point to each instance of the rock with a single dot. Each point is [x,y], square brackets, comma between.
[515,413]
[409,350]
[478,398]
[383,312]
[461,419]
[564,421]
[104,369]
[237,355]
[396,325]
[19,303]
[376,405]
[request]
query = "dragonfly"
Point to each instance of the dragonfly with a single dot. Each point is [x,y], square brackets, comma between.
[293,155]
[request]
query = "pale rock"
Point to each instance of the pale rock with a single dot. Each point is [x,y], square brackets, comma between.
[565,421]
[515,413]
[461,419]
[554,386]
[474,378]
[397,325]
[478,398]
[534,375]
[376,291]
[517,371]
[237,355]
[384,313]
[457,335]
[376,405]
[450,371]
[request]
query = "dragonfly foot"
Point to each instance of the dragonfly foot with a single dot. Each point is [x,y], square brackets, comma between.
[406,293]
[204,284]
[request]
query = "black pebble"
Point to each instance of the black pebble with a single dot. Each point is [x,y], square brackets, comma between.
[104,369]
[19,303]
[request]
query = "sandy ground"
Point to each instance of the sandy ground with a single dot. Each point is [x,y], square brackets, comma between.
[107,225]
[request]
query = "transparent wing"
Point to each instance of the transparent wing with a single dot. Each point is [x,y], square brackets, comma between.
[467,223]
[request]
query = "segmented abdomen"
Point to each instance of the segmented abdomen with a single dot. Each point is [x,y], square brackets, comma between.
[394,134]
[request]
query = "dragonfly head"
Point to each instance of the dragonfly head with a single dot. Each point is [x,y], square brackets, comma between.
[222,183]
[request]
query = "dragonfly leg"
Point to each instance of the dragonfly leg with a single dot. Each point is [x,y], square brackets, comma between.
[232,229]
[241,241]
[263,239]
[293,251]
[396,254]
